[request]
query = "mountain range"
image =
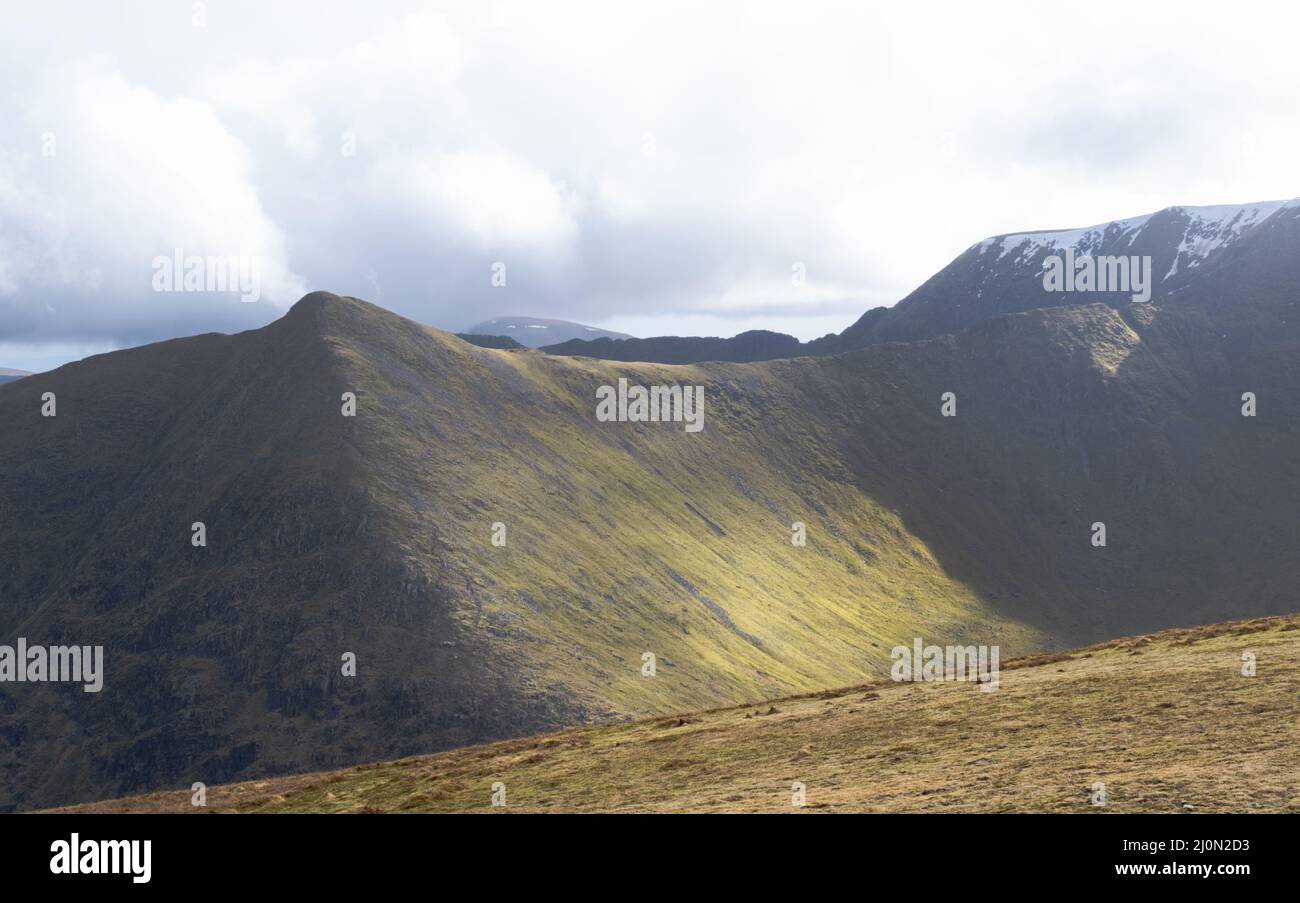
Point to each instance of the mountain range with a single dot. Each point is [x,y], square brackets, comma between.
[534,332]
[499,562]
[1194,251]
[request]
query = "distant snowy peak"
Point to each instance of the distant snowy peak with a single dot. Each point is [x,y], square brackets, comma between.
[535,332]
[1200,231]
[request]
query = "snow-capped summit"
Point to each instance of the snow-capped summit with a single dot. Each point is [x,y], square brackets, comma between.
[1213,254]
[1205,230]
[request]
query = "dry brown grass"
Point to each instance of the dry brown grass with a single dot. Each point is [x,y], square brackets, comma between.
[1167,722]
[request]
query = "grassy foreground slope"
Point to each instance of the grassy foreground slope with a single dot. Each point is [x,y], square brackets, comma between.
[1167,722]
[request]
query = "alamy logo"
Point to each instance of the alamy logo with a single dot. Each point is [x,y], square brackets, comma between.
[1098,274]
[102,857]
[926,663]
[656,404]
[192,273]
[56,664]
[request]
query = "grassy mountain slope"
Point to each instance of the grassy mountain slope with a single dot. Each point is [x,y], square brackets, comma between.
[372,534]
[1168,723]
[628,538]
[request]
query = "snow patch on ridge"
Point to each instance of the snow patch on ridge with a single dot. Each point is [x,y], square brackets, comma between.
[1028,243]
[1208,229]
[1213,227]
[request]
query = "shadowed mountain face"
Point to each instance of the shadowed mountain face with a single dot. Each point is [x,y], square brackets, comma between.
[372,534]
[226,658]
[8,375]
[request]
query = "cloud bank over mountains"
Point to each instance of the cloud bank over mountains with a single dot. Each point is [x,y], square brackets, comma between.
[669,170]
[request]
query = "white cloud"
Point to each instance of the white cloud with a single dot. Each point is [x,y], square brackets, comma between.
[109,176]
[490,198]
[641,164]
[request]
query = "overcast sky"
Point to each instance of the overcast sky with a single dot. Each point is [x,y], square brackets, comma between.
[653,168]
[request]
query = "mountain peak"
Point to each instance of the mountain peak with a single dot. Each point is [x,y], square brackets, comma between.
[1210,227]
[1194,256]
[321,314]
[315,302]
